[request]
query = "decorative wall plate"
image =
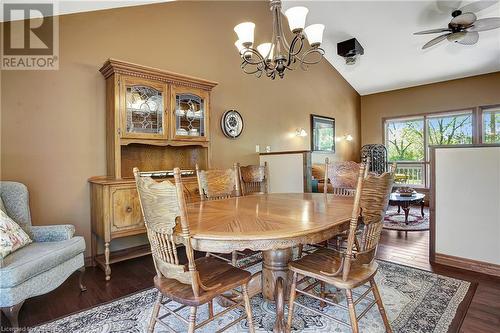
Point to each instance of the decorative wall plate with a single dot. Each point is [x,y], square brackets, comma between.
[231,124]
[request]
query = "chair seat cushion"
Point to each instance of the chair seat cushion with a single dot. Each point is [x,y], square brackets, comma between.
[37,258]
[212,272]
[328,260]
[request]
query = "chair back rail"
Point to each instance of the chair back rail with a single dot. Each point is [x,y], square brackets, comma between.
[219,184]
[343,177]
[254,178]
[164,209]
[370,204]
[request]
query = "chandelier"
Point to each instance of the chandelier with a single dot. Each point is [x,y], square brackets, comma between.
[277,56]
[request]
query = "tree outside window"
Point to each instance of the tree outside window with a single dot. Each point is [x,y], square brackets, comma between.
[405,140]
[491,126]
[450,129]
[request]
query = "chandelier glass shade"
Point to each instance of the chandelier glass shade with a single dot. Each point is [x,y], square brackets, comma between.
[275,57]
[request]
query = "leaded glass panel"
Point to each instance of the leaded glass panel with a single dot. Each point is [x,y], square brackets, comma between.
[189,115]
[144,110]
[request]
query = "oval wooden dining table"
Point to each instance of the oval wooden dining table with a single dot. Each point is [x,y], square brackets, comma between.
[273,224]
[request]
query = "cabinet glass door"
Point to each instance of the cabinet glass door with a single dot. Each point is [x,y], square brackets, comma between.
[144,110]
[190,115]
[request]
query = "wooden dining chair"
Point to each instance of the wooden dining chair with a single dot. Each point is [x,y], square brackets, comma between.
[353,267]
[218,184]
[254,179]
[193,284]
[342,178]
[342,175]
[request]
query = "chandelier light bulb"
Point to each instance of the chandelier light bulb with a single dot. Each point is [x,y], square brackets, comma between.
[245,32]
[241,50]
[314,34]
[239,45]
[296,18]
[266,50]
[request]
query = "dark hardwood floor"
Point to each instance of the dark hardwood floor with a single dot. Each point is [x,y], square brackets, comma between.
[137,274]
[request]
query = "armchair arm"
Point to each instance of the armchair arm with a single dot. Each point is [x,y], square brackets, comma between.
[52,233]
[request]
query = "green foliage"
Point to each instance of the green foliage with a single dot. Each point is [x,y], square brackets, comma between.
[491,127]
[405,139]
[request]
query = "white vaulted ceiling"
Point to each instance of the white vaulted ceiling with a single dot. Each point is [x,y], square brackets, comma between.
[393,56]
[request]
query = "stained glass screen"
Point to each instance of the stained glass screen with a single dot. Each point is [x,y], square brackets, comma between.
[144,110]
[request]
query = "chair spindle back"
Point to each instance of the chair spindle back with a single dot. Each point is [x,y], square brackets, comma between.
[254,178]
[370,205]
[219,184]
[343,177]
[164,210]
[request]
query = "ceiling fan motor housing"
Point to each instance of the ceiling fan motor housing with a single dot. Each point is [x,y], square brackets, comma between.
[350,50]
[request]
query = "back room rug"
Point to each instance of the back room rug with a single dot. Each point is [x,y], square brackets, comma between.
[415,301]
[396,221]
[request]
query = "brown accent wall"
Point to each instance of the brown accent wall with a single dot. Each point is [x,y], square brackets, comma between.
[443,96]
[53,122]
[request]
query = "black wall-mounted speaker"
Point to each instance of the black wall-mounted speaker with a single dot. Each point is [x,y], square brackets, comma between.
[349,48]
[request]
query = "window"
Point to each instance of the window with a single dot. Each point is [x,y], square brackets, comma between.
[451,129]
[405,140]
[491,125]
[408,140]
[405,144]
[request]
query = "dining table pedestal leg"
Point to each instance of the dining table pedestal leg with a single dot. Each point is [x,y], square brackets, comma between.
[276,282]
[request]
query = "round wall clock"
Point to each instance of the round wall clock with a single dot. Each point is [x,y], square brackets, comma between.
[231,124]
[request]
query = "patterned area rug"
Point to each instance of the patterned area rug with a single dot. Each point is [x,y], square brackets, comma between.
[415,301]
[396,221]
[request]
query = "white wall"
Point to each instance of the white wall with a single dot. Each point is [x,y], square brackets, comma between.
[286,172]
[467,185]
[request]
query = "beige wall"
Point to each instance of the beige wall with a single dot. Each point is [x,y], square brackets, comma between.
[443,96]
[53,122]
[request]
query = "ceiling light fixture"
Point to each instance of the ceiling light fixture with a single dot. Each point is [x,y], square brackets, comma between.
[277,56]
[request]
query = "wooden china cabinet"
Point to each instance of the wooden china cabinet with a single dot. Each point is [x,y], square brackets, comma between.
[155,120]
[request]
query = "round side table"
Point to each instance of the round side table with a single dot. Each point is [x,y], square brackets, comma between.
[405,202]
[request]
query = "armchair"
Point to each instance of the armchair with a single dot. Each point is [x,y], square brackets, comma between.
[41,266]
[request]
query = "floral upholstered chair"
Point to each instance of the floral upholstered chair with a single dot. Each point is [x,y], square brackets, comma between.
[41,266]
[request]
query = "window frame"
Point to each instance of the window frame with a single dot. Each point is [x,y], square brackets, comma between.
[477,134]
[480,114]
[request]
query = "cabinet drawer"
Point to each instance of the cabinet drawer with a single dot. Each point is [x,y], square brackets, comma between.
[126,215]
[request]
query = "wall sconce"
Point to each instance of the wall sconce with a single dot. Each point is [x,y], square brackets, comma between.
[347,137]
[300,132]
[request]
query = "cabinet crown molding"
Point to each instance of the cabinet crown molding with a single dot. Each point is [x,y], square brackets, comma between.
[114,66]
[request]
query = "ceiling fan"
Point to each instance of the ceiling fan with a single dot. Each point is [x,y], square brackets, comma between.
[464,27]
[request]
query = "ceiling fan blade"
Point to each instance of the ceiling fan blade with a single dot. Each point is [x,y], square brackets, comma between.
[448,6]
[464,37]
[485,24]
[464,19]
[477,6]
[432,31]
[434,41]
